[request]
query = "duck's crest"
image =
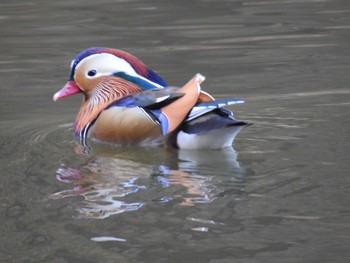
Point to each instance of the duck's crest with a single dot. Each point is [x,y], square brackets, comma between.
[136,63]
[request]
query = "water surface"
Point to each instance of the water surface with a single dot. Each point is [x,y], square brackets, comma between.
[280,194]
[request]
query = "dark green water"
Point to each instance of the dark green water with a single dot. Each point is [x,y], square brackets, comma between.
[280,195]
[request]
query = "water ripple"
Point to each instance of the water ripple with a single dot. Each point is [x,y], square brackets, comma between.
[118,183]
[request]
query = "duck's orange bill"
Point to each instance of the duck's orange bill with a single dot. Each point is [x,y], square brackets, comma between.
[70,88]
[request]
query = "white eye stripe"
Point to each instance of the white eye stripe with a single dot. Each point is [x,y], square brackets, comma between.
[104,64]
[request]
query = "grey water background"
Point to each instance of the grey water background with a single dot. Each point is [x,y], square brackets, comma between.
[280,195]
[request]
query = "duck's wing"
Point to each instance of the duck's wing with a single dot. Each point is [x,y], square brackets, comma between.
[202,108]
[213,120]
[208,126]
[215,129]
[151,99]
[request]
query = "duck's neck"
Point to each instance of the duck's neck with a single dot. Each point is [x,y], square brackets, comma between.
[100,98]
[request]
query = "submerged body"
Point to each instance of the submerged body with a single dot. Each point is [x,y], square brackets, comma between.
[126,103]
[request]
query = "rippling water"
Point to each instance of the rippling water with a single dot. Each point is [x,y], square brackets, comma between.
[280,194]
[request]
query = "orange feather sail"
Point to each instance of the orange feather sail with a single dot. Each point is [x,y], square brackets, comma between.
[177,111]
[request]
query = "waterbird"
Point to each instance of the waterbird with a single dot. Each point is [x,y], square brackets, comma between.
[127,103]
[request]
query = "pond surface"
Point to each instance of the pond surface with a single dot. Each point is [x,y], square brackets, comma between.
[281,194]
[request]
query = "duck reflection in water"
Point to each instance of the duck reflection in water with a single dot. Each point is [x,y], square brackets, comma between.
[116,180]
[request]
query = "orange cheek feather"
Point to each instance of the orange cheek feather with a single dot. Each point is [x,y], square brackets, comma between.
[86,84]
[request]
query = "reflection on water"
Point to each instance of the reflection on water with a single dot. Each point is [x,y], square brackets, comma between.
[196,170]
[108,184]
[198,188]
[100,196]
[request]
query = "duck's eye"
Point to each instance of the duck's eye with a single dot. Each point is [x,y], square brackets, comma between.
[92,73]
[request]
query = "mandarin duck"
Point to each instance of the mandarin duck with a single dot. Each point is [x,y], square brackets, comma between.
[127,103]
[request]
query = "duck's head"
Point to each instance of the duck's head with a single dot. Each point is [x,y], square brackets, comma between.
[97,68]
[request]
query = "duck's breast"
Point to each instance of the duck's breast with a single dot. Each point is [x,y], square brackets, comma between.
[125,126]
